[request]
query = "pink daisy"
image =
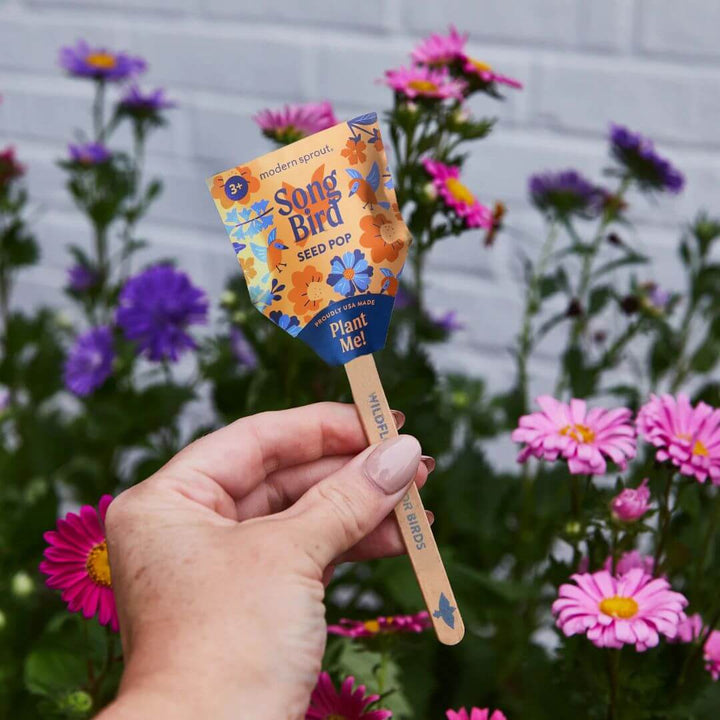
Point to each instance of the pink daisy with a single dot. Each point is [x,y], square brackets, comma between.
[425,82]
[76,562]
[441,49]
[629,561]
[483,72]
[581,437]
[456,195]
[293,122]
[632,609]
[711,653]
[690,629]
[474,714]
[687,436]
[632,503]
[382,625]
[326,703]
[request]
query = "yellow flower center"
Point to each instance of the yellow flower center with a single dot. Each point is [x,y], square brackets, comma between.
[101,60]
[335,717]
[98,565]
[459,191]
[579,433]
[315,291]
[348,273]
[618,607]
[480,66]
[372,626]
[423,86]
[700,449]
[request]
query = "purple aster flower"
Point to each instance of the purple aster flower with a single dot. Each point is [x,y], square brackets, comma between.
[4,399]
[659,297]
[565,193]
[447,322]
[81,278]
[145,105]
[89,363]
[643,164]
[98,63]
[92,153]
[155,308]
[242,349]
[403,298]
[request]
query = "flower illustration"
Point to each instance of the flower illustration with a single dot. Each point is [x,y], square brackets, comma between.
[686,436]
[218,186]
[456,195]
[383,236]
[308,291]
[439,49]
[633,609]
[382,625]
[583,438]
[155,309]
[354,151]
[350,273]
[99,63]
[294,122]
[638,156]
[90,361]
[76,562]
[326,703]
[632,503]
[92,153]
[289,323]
[425,82]
[248,267]
[474,714]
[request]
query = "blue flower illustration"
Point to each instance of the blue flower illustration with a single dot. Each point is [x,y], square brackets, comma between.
[350,273]
[289,323]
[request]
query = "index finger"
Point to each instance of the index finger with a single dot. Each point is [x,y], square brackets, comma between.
[244,453]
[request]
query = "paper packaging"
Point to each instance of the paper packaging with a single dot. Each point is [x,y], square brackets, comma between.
[318,233]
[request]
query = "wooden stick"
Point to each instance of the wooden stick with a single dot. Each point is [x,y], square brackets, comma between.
[379,424]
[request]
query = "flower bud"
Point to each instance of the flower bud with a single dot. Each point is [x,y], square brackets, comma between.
[429,192]
[3,620]
[22,585]
[77,702]
[573,527]
[632,503]
[64,321]
[240,317]
[460,399]
[228,298]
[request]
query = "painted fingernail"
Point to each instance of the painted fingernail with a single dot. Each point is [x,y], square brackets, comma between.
[399,418]
[428,461]
[392,465]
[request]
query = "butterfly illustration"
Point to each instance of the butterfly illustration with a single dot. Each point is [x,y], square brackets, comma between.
[445,611]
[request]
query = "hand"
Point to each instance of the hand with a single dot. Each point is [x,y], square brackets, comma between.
[219,560]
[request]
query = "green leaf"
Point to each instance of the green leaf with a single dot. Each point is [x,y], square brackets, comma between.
[51,671]
[706,355]
[599,298]
[631,258]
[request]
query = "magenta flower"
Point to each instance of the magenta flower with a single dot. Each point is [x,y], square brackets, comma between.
[456,195]
[711,653]
[439,49]
[630,561]
[10,168]
[92,153]
[76,562]
[633,609]
[382,625]
[632,503]
[686,436]
[326,703]
[293,122]
[482,72]
[583,438]
[690,629]
[474,714]
[99,64]
[425,82]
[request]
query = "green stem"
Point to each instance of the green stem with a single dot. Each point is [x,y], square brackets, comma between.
[532,307]
[665,516]
[99,111]
[613,677]
[707,540]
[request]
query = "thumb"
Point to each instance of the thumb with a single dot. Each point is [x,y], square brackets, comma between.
[346,506]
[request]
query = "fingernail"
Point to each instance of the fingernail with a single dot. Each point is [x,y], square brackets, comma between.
[430,516]
[428,461]
[399,418]
[392,464]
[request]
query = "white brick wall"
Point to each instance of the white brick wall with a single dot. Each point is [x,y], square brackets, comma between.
[654,64]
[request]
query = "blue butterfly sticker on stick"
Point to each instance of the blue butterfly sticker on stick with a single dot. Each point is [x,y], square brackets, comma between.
[445,612]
